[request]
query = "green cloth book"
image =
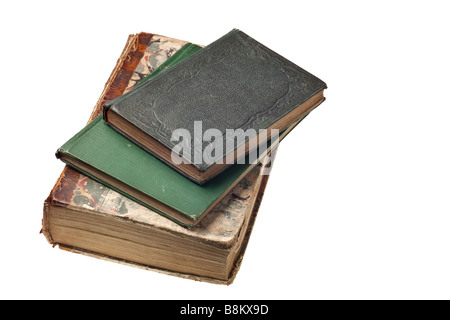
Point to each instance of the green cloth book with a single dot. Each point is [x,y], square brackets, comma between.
[110,158]
[105,155]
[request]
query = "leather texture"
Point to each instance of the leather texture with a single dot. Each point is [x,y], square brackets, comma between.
[128,64]
[233,83]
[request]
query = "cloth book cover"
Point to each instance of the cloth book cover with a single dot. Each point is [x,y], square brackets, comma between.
[235,85]
[103,154]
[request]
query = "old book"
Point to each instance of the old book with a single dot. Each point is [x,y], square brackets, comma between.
[236,84]
[108,157]
[121,230]
[76,195]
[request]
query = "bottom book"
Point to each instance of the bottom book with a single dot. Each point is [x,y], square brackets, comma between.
[86,217]
[114,228]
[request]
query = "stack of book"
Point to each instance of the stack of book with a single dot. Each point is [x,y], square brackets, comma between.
[170,170]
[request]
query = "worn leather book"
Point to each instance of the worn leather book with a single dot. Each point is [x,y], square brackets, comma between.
[77,203]
[236,84]
[121,230]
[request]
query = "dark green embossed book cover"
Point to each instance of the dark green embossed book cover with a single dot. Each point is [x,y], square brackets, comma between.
[234,83]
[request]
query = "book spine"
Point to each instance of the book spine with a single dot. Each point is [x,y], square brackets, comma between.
[128,60]
[45,229]
[123,71]
[111,104]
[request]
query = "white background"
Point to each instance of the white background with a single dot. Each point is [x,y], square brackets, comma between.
[357,206]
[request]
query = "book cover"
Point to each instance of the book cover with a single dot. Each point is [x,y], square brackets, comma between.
[108,157]
[235,83]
